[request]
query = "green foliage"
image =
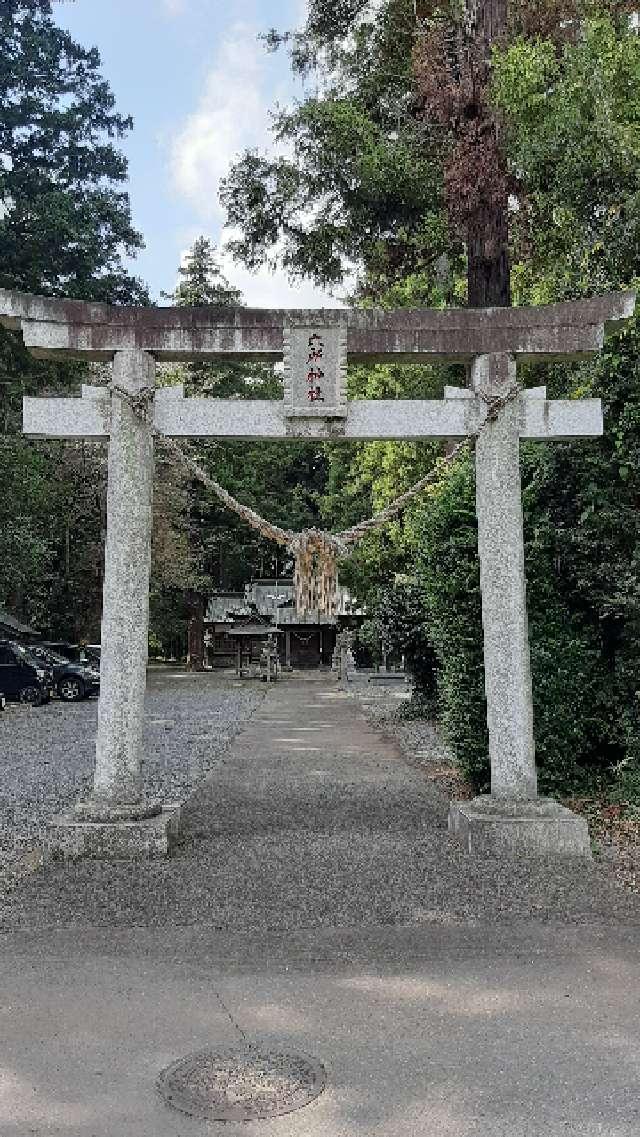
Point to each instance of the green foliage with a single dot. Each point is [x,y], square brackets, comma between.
[375,183]
[168,618]
[582,548]
[397,626]
[51,534]
[360,167]
[445,537]
[202,281]
[67,220]
[51,507]
[573,139]
[65,226]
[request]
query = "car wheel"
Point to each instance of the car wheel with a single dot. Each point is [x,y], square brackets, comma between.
[31,695]
[71,689]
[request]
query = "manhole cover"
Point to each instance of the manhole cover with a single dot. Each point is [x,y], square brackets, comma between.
[242,1084]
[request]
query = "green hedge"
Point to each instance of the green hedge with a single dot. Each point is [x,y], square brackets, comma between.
[582,546]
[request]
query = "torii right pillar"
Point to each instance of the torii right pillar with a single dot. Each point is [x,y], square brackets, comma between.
[512,818]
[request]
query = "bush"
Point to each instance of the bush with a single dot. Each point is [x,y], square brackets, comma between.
[582,549]
[449,578]
[397,621]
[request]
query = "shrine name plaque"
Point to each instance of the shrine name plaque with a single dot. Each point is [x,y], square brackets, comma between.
[315,371]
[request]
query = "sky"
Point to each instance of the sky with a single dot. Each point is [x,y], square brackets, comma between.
[199,86]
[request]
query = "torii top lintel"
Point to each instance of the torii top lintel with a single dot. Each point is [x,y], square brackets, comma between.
[78,329]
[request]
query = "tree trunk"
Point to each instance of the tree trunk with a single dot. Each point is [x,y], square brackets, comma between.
[195,650]
[489,270]
[490,20]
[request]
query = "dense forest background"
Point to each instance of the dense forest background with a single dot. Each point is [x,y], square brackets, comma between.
[450,154]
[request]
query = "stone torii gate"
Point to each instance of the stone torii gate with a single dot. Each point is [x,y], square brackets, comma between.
[315,346]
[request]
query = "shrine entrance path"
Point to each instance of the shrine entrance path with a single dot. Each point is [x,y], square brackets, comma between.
[317,902]
[311,820]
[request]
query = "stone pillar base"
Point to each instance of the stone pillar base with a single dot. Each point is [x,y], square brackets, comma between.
[540,827]
[95,810]
[71,838]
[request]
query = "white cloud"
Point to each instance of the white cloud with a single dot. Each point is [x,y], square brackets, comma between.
[232,115]
[265,289]
[174,7]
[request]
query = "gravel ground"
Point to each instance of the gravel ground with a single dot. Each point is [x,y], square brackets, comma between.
[47,753]
[614,829]
[419,740]
[312,819]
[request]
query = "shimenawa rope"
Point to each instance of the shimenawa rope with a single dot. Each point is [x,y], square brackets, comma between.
[316,552]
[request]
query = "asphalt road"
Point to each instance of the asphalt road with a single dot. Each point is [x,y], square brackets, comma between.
[316,904]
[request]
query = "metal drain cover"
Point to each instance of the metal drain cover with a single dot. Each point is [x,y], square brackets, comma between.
[243,1084]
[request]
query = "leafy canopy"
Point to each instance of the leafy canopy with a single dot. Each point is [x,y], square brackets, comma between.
[359,182]
[65,228]
[573,139]
[66,219]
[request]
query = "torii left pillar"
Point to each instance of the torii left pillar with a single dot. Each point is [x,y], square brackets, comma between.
[116,820]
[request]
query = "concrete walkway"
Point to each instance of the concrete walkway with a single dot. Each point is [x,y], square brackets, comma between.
[318,905]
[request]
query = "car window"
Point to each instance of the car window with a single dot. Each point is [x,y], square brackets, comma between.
[49,656]
[26,656]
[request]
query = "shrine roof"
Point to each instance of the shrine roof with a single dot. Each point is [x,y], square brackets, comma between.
[255,630]
[223,609]
[79,329]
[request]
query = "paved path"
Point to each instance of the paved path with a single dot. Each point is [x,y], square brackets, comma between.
[318,896]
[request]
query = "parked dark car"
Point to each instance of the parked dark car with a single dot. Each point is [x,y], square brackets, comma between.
[88,654]
[71,652]
[72,680]
[91,653]
[22,676]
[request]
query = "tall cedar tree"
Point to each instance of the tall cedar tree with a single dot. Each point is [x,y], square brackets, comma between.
[453,70]
[65,227]
[201,284]
[65,217]
[396,162]
[67,221]
[453,74]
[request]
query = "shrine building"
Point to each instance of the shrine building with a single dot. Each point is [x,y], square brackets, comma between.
[305,639]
